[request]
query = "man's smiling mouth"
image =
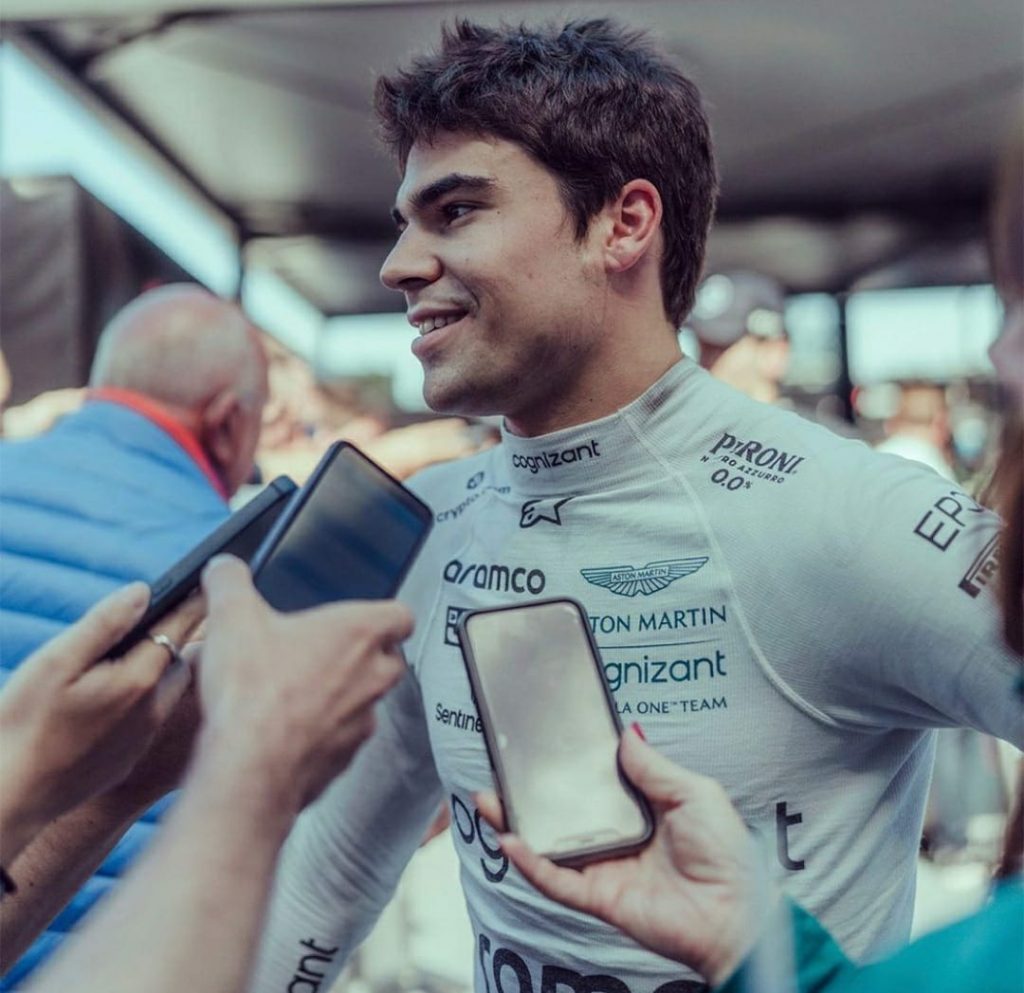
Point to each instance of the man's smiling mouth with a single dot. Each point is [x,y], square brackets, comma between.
[429,324]
[432,320]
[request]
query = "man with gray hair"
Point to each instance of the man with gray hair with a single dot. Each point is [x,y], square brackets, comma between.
[116,492]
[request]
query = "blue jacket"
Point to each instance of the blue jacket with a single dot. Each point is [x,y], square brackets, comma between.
[106,497]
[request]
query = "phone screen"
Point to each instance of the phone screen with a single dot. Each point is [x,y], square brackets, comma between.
[551,730]
[351,534]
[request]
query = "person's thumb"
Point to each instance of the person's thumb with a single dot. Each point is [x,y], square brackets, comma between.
[227,584]
[659,779]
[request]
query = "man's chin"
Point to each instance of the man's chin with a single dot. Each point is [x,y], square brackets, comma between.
[453,397]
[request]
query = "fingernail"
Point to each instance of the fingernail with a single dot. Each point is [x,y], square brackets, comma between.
[216,563]
[639,731]
[139,595]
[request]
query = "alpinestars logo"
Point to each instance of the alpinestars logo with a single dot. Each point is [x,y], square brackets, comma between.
[558,457]
[535,511]
[651,578]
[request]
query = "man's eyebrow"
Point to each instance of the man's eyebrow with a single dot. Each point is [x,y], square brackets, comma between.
[423,198]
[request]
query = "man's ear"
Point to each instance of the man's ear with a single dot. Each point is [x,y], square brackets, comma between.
[220,431]
[635,219]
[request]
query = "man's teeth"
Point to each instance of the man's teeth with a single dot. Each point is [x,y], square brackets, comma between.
[433,323]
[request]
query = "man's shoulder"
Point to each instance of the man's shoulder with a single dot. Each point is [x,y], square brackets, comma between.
[738,444]
[453,491]
[450,485]
[771,472]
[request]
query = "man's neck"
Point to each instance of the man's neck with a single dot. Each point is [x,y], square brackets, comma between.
[616,380]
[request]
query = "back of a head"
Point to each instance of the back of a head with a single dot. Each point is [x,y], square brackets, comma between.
[921,404]
[592,102]
[731,305]
[181,345]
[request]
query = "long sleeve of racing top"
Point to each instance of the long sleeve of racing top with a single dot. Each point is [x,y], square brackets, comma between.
[345,855]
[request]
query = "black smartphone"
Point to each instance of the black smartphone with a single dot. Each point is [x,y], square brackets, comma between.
[351,533]
[241,535]
[552,732]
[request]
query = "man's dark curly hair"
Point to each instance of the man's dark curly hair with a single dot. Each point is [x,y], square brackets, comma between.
[592,102]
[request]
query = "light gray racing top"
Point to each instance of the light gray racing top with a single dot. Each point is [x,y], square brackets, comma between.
[781,609]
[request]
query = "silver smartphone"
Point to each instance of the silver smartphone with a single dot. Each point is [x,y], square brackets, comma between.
[552,732]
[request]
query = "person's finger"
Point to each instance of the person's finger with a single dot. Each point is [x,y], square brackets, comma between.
[227,584]
[192,653]
[388,670]
[387,621]
[145,665]
[183,621]
[658,778]
[374,677]
[489,805]
[88,640]
[562,885]
[173,685]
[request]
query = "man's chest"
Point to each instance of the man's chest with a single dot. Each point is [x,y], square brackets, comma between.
[659,600]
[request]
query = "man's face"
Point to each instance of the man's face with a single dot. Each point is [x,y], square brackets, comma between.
[508,304]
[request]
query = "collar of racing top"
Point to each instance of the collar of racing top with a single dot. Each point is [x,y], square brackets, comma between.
[605,454]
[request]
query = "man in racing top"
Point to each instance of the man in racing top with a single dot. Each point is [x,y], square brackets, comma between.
[781,609]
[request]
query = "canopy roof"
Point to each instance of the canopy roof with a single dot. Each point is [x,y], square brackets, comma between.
[848,133]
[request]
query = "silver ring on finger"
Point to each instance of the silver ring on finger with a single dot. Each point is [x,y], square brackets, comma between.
[164,642]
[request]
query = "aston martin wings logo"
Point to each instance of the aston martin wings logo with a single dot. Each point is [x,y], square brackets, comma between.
[629,581]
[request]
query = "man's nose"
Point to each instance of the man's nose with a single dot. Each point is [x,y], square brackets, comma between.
[410,264]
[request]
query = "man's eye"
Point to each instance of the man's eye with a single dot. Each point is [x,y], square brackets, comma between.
[453,211]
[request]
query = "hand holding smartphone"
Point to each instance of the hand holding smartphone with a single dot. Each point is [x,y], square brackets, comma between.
[240,535]
[350,533]
[552,732]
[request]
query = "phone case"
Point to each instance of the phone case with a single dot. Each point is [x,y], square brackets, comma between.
[583,855]
[300,499]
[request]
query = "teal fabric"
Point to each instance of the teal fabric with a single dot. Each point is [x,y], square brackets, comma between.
[983,953]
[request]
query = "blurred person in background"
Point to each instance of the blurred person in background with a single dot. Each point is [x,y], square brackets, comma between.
[115,492]
[739,321]
[119,490]
[919,429]
[699,893]
[73,724]
[302,418]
